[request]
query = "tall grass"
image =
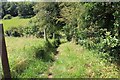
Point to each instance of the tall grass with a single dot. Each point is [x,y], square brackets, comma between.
[22,57]
[76,62]
[73,61]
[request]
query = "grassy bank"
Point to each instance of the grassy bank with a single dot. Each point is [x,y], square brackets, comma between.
[23,62]
[75,61]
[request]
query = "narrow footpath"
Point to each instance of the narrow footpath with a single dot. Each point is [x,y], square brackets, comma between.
[50,74]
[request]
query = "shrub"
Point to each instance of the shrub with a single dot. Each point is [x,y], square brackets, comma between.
[48,46]
[14,31]
[39,34]
[39,52]
[107,44]
[32,30]
[44,52]
[56,43]
[110,44]
[8,16]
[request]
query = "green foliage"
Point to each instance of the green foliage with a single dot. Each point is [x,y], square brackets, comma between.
[56,43]
[96,26]
[111,45]
[30,30]
[9,8]
[71,13]
[44,52]
[23,9]
[47,15]
[100,29]
[25,31]
[8,16]
[14,31]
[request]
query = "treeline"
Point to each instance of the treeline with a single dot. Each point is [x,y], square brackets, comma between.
[93,25]
[22,9]
[102,27]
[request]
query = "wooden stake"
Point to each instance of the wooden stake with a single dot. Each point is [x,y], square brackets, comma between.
[3,53]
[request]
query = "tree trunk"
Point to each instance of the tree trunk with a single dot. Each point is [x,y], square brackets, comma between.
[73,36]
[73,39]
[54,36]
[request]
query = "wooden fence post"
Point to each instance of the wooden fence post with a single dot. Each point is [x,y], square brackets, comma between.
[3,53]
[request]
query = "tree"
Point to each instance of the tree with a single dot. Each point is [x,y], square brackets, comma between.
[47,15]
[101,14]
[9,8]
[71,14]
[25,9]
[101,26]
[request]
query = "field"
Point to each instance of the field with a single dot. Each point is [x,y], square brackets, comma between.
[15,22]
[72,61]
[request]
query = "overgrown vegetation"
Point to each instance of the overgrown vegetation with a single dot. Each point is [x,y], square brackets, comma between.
[30,58]
[100,28]
[95,26]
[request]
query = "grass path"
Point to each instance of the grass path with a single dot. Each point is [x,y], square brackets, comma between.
[76,62]
[70,61]
[50,74]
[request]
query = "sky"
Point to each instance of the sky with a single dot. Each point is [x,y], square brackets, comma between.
[18,0]
[63,0]
[32,0]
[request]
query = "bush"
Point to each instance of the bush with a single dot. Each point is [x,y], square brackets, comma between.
[48,47]
[44,52]
[39,52]
[8,16]
[39,34]
[56,43]
[14,31]
[19,31]
[32,30]
[110,44]
[107,44]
